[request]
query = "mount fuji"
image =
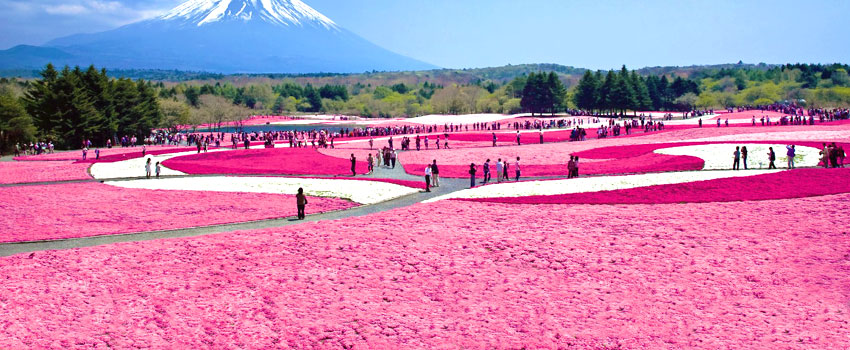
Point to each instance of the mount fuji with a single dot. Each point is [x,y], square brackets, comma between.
[223,36]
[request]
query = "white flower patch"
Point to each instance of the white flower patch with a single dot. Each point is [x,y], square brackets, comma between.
[803,135]
[134,167]
[364,192]
[594,184]
[720,156]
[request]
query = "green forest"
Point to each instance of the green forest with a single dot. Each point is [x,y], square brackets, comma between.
[73,104]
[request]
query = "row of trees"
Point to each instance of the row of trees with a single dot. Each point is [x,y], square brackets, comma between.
[622,91]
[73,105]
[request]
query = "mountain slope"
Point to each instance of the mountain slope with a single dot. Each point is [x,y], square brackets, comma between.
[229,36]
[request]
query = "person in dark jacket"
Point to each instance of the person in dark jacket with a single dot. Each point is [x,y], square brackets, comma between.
[301,202]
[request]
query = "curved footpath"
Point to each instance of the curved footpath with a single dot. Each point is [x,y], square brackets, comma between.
[446,186]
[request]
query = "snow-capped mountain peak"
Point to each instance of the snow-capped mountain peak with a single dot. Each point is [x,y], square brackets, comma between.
[278,12]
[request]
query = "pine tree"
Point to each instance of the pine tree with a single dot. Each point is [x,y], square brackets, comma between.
[587,92]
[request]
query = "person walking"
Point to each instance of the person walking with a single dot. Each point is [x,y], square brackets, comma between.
[428,178]
[517,169]
[518,143]
[158,169]
[370,161]
[301,203]
[435,174]
[472,172]
[393,156]
[744,156]
[505,174]
[494,139]
[570,166]
[791,153]
[499,169]
[353,165]
[841,156]
[148,168]
[771,156]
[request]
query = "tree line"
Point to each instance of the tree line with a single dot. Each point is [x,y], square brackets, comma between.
[73,105]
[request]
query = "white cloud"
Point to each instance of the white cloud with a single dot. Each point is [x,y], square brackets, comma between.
[75,9]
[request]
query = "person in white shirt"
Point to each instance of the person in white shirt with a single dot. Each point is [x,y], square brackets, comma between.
[499,168]
[517,169]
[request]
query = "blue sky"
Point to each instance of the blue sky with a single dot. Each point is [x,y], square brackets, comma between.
[597,34]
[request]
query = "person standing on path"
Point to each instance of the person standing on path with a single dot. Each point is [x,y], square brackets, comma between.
[97,153]
[435,174]
[158,169]
[393,156]
[370,162]
[744,156]
[737,163]
[517,169]
[353,165]
[148,168]
[541,136]
[505,175]
[518,143]
[771,156]
[499,169]
[301,202]
[575,167]
[791,153]
[371,143]
[85,152]
[428,178]
[486,171]
[472,172]
[494,139]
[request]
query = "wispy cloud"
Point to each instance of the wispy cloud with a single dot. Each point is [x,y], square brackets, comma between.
[75,9]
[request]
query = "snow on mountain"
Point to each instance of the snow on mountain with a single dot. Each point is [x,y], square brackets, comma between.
[280,12]
[224,36]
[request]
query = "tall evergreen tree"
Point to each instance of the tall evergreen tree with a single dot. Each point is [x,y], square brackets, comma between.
[587,92]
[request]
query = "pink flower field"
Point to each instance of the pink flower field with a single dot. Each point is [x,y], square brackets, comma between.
[799,183]
[105,153]
[760,274]
[33,213]
[279,161]
[25,172]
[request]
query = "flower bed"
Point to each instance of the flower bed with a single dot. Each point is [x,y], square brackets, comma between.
[24,172]
[799,183]
[283,161]
[363,192]
[641,164]
[104,153]
[466,275]
[592,184]
[47,212]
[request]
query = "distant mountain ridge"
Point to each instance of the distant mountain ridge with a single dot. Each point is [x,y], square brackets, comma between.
[221,36]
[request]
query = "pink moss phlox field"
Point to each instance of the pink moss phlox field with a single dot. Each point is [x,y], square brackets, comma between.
[25,172]
[284,161]
[628,151]
[798,183]
[131,152]
[45,212]
[769,275]
[645,163]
